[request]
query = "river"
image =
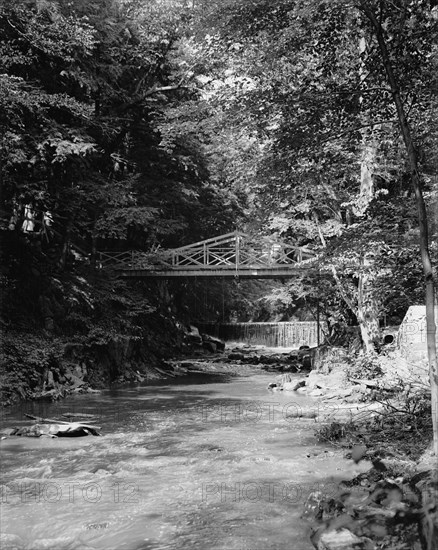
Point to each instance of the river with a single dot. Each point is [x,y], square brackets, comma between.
[202,463]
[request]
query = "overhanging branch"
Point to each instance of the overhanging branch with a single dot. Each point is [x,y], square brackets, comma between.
[357,128]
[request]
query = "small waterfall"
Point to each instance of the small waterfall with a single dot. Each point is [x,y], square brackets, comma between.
[284,335]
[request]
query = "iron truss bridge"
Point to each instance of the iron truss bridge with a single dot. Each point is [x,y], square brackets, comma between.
[231,255]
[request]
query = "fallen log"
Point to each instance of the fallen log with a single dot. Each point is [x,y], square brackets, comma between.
[58,428]
[72,429]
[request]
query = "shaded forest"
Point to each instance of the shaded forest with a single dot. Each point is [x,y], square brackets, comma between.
[129,124]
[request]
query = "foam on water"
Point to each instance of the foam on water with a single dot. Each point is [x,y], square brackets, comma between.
[191,466]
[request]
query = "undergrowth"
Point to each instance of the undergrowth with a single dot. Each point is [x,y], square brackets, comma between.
[364,367]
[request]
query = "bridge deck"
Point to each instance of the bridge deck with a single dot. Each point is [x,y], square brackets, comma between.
[247,273]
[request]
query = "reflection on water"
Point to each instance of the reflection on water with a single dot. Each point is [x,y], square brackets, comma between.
[201,463]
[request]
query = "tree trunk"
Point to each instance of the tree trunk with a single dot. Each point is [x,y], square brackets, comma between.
[422,215]
[367,311]
[369,148]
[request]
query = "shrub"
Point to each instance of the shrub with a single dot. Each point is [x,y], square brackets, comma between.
[364,366]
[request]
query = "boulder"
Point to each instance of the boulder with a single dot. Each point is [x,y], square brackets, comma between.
[335,380]
[319,506]
[343,539]
[268,359]
[193,335]
[212,340]
[293,386]
[236,356]
[307,362]
[315,393]
[251,360]
[209,346]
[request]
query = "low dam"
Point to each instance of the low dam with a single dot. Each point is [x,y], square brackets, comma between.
[284,334]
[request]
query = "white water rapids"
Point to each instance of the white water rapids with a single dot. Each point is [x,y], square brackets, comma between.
[201,464]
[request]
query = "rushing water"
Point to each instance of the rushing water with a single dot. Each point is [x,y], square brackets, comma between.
[284,334]
[204,464]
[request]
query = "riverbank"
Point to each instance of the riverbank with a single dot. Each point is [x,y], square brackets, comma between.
[69,332]
[376,415]
[44,366]
[375,412]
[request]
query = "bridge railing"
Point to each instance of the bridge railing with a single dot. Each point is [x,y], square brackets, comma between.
[131,259]
[232,251]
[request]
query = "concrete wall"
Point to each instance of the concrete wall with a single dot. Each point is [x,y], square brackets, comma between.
[411,338]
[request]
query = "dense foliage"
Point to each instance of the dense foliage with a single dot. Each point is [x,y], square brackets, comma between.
[302,89]
[134,124]
[84,88]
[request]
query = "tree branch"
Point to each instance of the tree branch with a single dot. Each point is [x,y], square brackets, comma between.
[348,92]
[152,91]
[357,128]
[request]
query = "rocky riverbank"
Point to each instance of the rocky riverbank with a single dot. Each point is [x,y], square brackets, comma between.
[393,506]
[374,411]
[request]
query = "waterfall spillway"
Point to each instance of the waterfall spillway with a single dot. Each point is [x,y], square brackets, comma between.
[285,334]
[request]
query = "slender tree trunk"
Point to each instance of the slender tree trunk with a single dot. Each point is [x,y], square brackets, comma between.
[369,148]
[422,214]
[367,309]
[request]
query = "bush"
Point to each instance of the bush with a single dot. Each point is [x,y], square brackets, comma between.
[364,366]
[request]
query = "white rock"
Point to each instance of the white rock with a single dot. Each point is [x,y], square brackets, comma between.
[343,539]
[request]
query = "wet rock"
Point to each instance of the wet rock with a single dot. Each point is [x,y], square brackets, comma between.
[75,381]
[193,336]
[292,368]
[268,359]
[236,356]
[251,360]
[343,539]
[293,386]
[335,380]
[8,431]
[316,393]
[319,507]
[307,362]
[73,429]
[209,346]
[298,412]
[219,345]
